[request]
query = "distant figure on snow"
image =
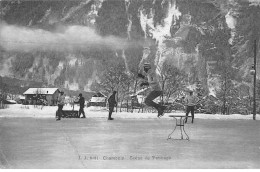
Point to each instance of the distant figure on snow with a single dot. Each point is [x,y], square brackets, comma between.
[190,101]
[61,102]
[111,103]
[81,102]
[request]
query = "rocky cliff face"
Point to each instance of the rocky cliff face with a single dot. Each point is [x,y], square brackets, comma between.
[69,43]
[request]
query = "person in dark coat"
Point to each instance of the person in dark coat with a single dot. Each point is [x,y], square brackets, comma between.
[111,103]
[81,103]
[61,102]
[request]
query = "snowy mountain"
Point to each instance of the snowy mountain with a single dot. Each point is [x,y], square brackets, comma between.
[71,44]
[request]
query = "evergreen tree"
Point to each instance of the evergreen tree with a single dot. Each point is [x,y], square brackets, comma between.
[226,92]
[201,92]
[247,16]
[258,89]
[112,18]
[1,82]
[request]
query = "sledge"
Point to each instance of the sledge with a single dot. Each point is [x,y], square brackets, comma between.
[69,114]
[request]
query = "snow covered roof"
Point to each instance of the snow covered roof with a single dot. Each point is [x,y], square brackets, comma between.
[21,97]
[98,99]
[11,101]
[99,94]
[40,91]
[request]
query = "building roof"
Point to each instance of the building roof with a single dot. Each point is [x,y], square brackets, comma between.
[21,97]
[40,91]
[10,102]
[99,94]
[98,99]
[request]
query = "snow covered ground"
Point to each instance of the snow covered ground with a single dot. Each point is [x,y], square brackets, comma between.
[18,110]
[41,142]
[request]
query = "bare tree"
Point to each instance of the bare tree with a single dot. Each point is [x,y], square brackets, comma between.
[172,80]
[113,78]
[39,98]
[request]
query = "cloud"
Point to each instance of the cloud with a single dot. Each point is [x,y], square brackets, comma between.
[64,38]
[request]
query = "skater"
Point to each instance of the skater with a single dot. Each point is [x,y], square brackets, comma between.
[111,103]
[190,102]
[81,102]
[61,102]
[155,88]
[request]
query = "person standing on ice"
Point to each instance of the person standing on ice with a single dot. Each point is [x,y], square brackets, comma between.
[111,104]
[190,101]
[150,80]
[81,102]
[61,102]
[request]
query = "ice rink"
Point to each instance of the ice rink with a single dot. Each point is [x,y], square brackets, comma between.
[95,142]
